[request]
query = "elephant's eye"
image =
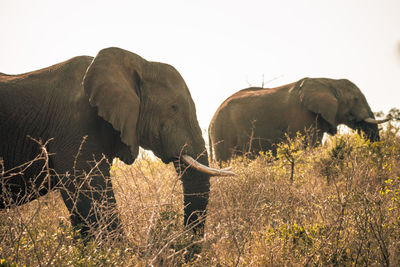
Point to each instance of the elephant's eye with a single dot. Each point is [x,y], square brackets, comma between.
[174,108]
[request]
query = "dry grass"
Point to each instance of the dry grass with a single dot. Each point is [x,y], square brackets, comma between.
[341,208]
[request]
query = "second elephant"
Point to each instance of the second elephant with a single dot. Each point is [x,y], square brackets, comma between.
[256,119]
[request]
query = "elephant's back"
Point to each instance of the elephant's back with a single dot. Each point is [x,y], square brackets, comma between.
[254,99]
[32,89]
[64,69]
[253,94]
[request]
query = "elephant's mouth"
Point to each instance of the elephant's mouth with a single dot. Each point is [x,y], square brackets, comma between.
[186,161]
[370,127]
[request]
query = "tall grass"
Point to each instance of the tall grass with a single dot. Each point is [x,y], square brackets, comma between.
[337,204]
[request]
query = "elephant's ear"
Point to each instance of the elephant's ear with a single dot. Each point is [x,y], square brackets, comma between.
[318,98]
[112,84]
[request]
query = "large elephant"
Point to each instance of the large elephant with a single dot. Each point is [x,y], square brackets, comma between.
[89,111]
[256,119]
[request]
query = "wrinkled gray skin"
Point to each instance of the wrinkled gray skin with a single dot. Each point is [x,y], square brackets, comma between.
[120,102]
[264,115]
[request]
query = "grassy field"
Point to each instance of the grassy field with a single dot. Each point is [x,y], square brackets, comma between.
[335,205]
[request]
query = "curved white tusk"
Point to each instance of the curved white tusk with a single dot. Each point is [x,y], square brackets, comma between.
[373,121]
[205,169]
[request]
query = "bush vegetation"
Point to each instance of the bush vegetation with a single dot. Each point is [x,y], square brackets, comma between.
[337,205]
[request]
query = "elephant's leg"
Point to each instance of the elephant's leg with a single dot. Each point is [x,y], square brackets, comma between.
[90,200]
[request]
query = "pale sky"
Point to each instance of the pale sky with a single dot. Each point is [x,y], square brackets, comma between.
[219,47]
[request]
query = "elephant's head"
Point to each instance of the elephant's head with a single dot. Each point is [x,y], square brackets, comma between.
[338,102]
[150,105]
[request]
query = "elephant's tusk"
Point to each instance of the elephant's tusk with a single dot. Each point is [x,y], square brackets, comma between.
[227,169]
[374,121]
[205,169]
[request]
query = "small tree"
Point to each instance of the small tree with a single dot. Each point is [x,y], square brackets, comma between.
[291,150]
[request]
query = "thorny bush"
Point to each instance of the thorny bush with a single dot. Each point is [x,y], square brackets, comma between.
[340,207]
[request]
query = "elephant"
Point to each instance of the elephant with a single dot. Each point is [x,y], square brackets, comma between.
[87,111]
[257,119]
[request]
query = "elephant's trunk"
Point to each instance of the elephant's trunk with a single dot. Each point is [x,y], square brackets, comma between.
[370,130]
[196,189]
[195,176]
